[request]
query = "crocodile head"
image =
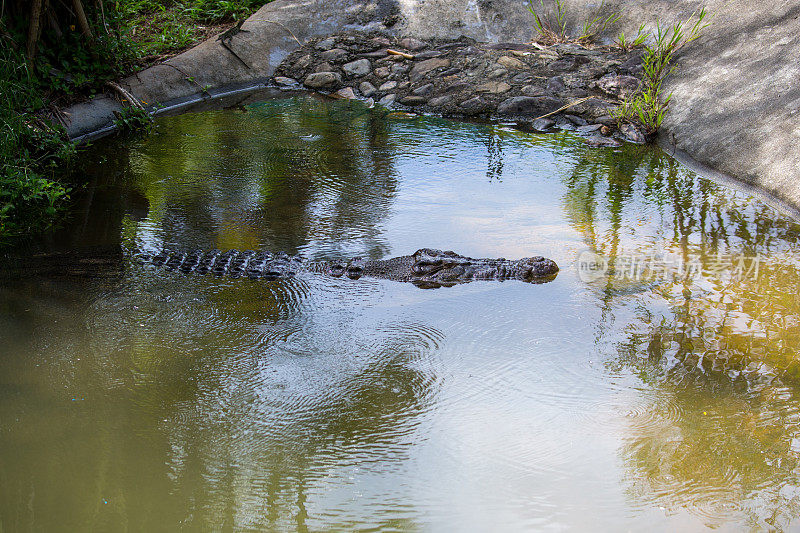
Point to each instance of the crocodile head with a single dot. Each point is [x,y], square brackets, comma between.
[435,268]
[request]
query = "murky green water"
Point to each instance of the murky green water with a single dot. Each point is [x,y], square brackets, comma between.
[655,394]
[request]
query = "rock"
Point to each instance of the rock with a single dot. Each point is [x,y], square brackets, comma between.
[493,87]
[326,44]
[449,72]
[618,85]
[413,100]
[594,107]
[282,80]
[632,133]
[473,106]
[533,90]
[528,105]
[424,90]
[383,72]
[323,80]
[388,86]
[366,88]
[578,121]
[468,51]
[403,85]
[497,73]
[606,120]
[302,63]
[376,54]
[346,93]
[458,86]
[409,43]
[399,69]
[424,67]
[511,63]
[325,67]
[440,100]
[387,100]
[555,84]
[334,54]
[600,141]
[605,130]
[542,124]
[524,77]
[588,128]
[429,54]
[359,67]
[563,124]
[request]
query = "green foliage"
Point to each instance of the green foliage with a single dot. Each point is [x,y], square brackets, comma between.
[32,153]
[133,119]
[624,44]
[553,28]
[648,106]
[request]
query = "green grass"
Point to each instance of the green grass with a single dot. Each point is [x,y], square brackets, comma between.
[552,28]
[648,106]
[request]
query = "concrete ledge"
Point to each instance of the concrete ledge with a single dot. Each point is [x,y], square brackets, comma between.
[735,93]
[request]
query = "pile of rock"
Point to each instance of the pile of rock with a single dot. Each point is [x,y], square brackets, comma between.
[563,86]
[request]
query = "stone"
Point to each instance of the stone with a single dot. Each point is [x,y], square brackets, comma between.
[528,105]
[359,67]
[424,67]
[424,90]
[511,63]
[334,54]
[403,85]
[323,80]
[388,86]
[493,87]
[618,85]
[605,130]
[458,86]
[399,69]
[383,72]
[413,100]
[366,88]
[449,72]
[533,90]
[555,84]
[346,93]
[542,124]
[325,67]
[473,106]
[409,43]
[589,128]
[524,77]
[302,63]
[387,100]
[376,54]
[429,54]
[326,44]
[606,120]
[282,80]
[439,101]
[575,119]
[497,73]
[632,133]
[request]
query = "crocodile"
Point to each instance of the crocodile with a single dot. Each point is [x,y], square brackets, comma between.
[427,267]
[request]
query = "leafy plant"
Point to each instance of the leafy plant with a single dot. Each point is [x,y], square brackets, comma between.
[553,28]
[648,106]
[133,119]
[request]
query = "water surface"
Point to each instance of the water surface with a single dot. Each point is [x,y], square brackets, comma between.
[152,401]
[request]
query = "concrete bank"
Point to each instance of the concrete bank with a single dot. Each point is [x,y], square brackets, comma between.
[735,96]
